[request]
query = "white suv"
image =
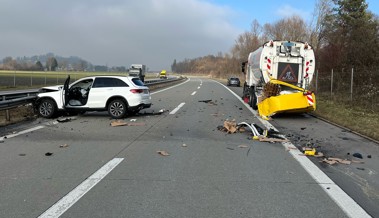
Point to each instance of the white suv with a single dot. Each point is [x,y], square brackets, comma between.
[120,95]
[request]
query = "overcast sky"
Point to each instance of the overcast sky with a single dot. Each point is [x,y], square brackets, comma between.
[122,32]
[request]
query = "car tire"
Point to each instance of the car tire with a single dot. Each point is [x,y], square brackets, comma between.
[117,109]
[47,108]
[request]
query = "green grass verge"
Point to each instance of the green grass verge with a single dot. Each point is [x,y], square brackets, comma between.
[350,116]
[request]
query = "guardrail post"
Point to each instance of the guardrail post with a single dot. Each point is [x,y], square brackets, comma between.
[7,115]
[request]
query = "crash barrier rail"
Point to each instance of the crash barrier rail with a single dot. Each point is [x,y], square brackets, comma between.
[12,99]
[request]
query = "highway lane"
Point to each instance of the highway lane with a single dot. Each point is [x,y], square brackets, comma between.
[360,181]
[210,177]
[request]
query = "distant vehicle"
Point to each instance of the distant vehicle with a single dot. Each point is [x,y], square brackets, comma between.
[119,95]
[163,74]
[233,81]
[138,70]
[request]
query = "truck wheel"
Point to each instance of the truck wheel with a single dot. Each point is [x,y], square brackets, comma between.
[253,99]
[47,108]
[117,109]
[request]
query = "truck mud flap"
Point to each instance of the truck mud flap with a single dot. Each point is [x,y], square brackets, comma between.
[287,103]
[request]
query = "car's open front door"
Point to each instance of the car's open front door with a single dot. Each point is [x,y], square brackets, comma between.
[65,91]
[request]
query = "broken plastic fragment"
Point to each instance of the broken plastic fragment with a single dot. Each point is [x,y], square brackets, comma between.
[163,153]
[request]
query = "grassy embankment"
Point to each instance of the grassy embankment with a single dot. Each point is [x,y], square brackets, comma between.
[353,117]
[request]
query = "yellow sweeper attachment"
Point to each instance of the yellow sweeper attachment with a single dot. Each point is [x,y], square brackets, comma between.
[298,100]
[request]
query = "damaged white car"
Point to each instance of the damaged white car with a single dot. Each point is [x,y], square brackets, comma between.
[119,95]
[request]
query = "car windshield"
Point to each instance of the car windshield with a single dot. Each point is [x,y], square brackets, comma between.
[138,82]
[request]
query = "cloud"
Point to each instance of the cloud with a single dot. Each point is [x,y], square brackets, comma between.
[288,11]
[116,32]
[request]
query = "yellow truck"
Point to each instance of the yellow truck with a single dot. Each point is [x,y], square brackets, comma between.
[278,76]
[163,74]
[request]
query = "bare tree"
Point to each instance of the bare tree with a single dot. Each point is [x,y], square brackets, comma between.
[292,28]
[316,27]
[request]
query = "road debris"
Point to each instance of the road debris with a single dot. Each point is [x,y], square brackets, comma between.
[334,160]
[206,101]
[243,146]
[360,168]
[64,119]
[48,154]
[258,133]
[22,155]
[358,155]
[118,123]
[163,153]
[209,102]
[184,145]
[63,146]
[369,156]
[310,151]
[273,140]
[230,126]
[160,112]
[115,123]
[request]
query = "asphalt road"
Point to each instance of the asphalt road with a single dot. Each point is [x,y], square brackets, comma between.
[107,171]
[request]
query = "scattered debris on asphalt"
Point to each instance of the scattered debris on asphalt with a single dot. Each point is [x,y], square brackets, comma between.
[360,168]
[243,146]
[63,146]
[48,154]
[334,160]
[230,148]
[206,101]
[160,112]
[358,155]
[369,156]
[118,123]
[22,155]
[163,153]
[309,151]
[209,102]
[258,133]
[115,123]
[184,145]
[64,119]
[133,120]
[230,126]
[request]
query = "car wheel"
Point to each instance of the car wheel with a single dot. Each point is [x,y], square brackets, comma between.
[117,109]
[47,108]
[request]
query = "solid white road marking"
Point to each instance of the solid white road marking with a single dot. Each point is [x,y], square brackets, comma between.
[177,108]
[162,90]
[21,132]
[72,197]
[343,200]
[193,93]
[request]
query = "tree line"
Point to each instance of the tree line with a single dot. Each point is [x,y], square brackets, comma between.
[344,34]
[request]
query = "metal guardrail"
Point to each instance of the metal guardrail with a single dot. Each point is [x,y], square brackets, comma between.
[11,99]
